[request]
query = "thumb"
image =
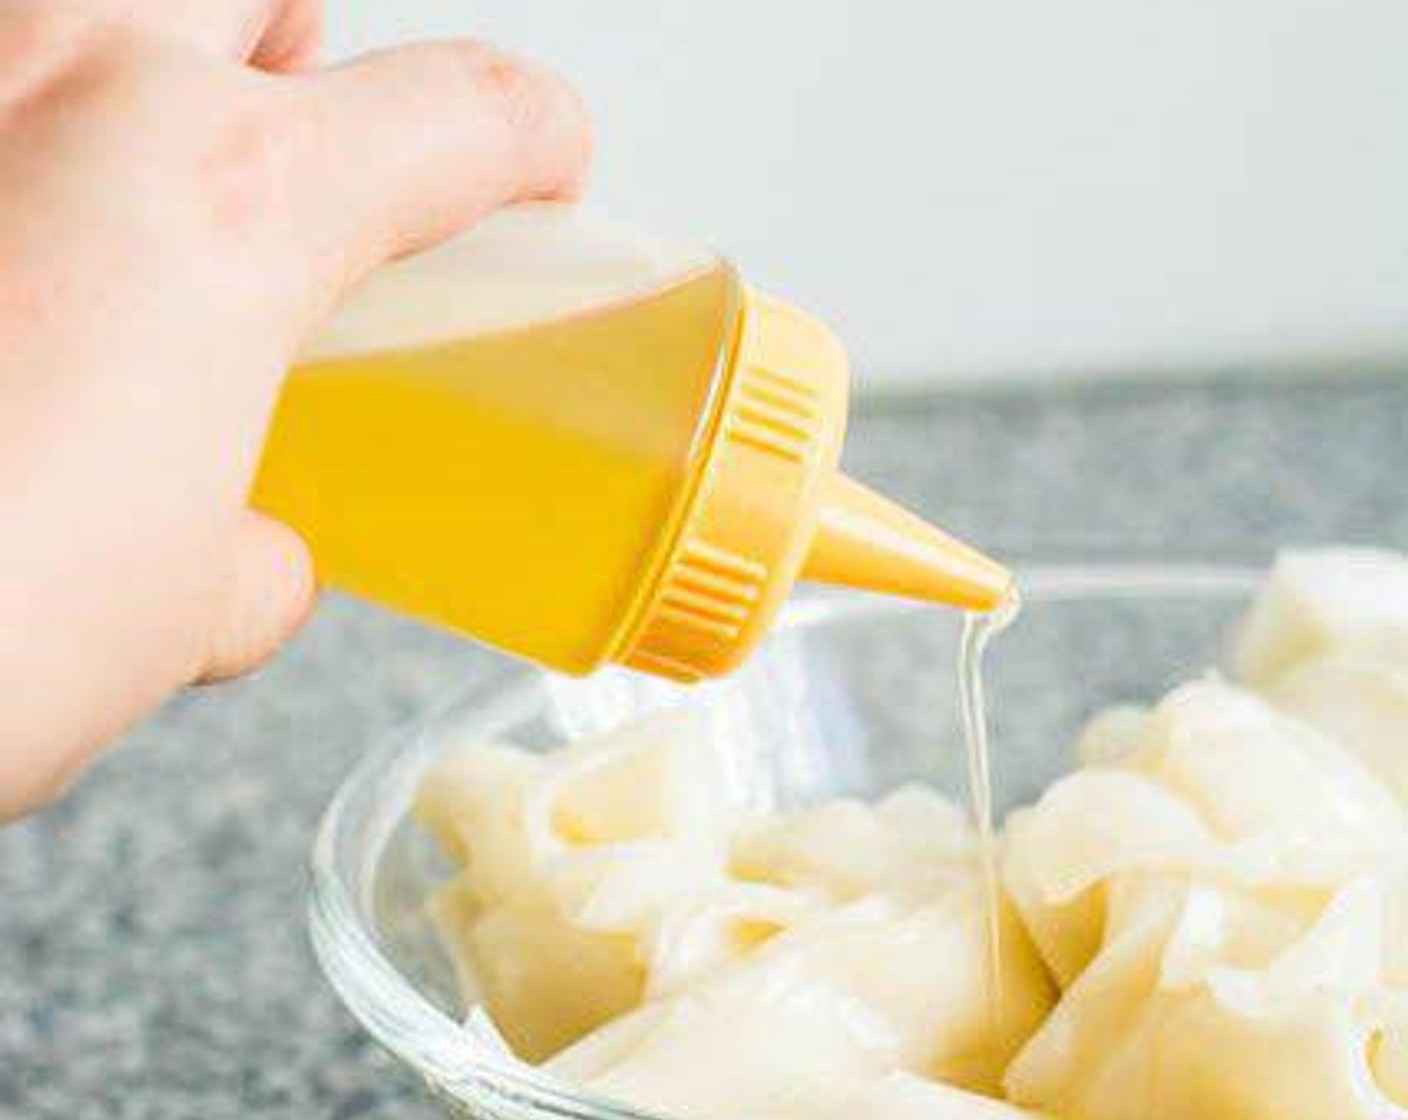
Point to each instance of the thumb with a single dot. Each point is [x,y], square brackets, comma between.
[415,143]
[268,596]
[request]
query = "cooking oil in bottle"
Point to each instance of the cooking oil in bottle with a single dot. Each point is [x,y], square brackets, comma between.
[586,445]
[408,469]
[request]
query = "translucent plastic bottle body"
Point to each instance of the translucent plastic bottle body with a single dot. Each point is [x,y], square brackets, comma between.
[515,483]
[582,444]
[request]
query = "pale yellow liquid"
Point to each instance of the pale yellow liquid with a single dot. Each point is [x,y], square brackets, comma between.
[978,631]
[515,485]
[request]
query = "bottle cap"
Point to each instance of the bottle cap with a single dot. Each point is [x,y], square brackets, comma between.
[769,506]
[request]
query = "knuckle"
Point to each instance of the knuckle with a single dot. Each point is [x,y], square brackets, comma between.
[505,85]
[510,86]
[246,162]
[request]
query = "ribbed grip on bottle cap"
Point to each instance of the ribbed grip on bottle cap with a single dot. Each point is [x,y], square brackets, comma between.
[776,440]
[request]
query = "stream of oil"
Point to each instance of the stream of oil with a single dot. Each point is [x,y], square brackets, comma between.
[978,631]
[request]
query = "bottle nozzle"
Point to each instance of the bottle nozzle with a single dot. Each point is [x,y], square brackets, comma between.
[769,479]
[865,541]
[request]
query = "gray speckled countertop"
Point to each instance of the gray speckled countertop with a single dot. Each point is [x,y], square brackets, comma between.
[153,962]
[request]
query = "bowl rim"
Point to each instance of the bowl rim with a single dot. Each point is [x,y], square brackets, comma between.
[477,1070]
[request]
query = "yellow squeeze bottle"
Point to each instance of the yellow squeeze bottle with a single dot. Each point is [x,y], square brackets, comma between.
[586,446]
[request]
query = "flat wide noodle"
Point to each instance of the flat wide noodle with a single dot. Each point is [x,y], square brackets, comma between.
[1207,921]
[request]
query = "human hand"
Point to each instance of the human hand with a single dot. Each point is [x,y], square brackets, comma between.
[181,200]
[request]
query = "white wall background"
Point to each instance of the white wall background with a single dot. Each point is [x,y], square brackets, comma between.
[992,188]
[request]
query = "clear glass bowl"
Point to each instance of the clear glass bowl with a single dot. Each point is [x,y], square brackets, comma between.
[850,696]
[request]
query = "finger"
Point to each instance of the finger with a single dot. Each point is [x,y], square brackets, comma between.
[30,780]
[268,597]
[274,34]
[417,142]
[291,40]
